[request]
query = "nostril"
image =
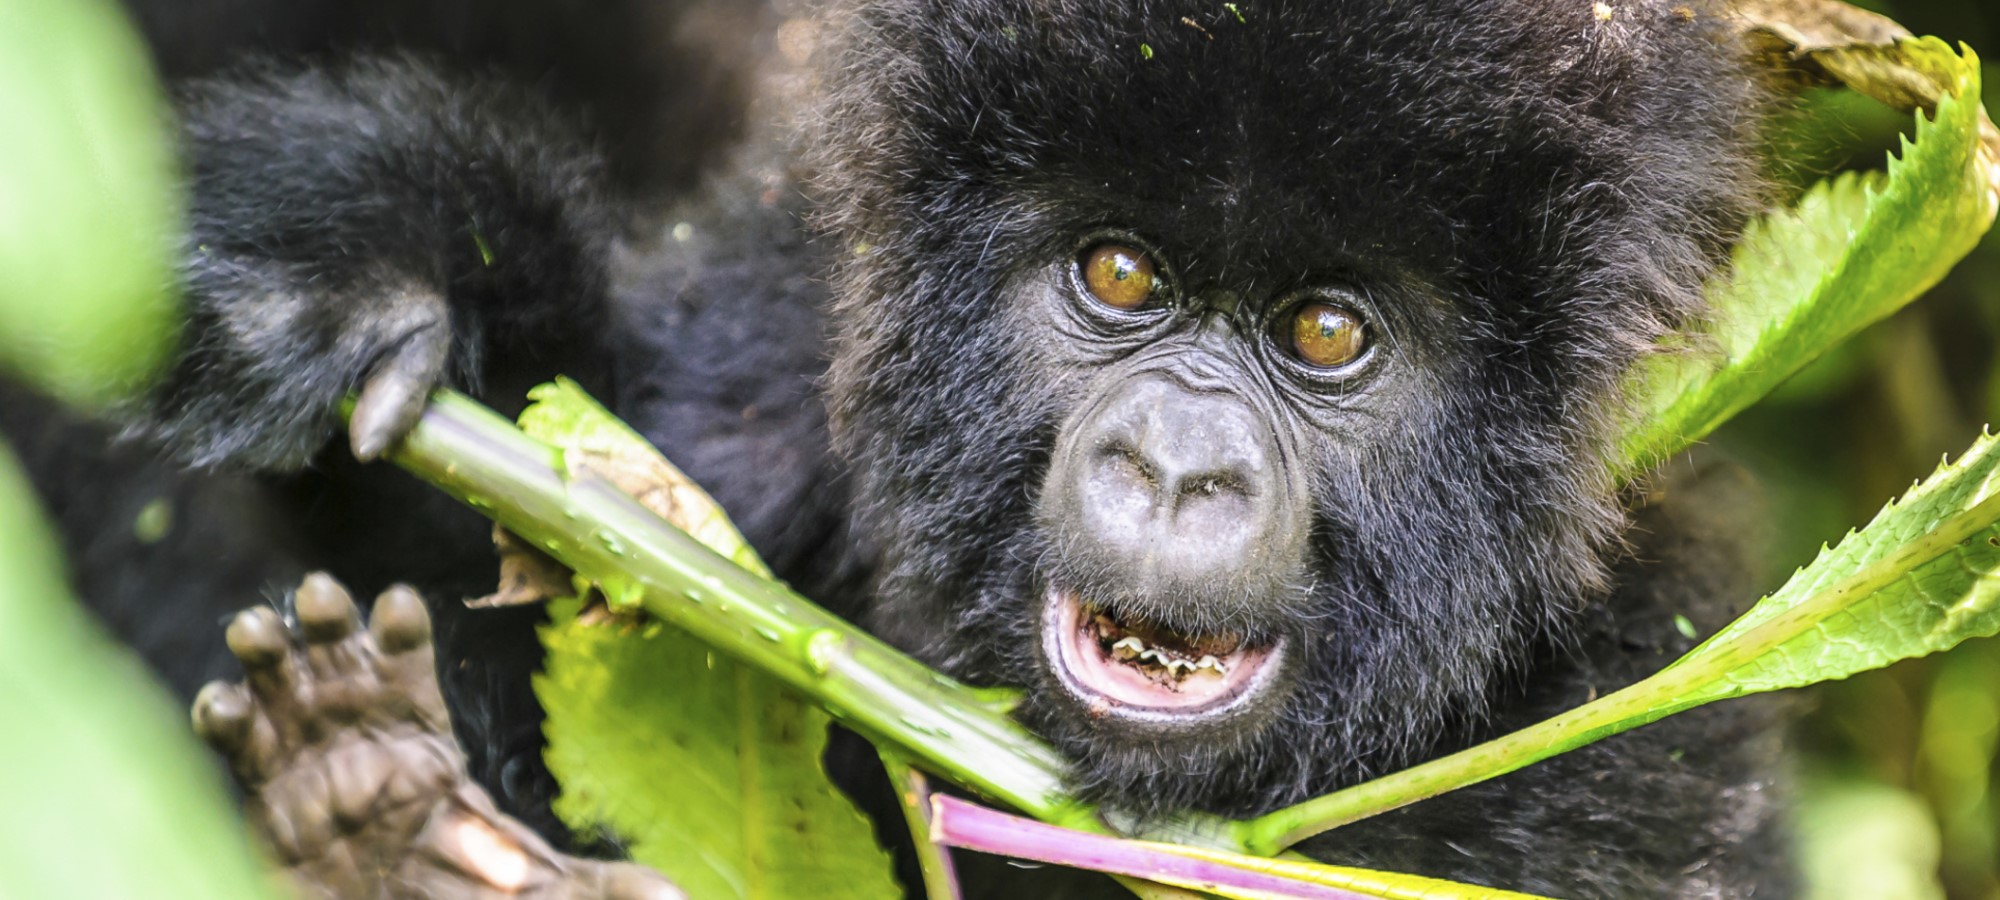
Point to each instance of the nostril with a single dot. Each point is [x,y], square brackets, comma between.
[1129,461]
[1209,485]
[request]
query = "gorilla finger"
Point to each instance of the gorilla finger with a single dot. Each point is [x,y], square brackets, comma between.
[394,396]
[399,621]
[326,611]
[222,714]
[258,638]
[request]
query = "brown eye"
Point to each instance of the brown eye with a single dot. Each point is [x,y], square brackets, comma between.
[1325,336]
[1119,276]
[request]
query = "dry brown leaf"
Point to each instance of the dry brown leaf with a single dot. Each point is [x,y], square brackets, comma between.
[1828,43]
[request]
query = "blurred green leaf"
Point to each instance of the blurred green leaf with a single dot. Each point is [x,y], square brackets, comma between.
[1859,841]
[707,768]
[107,795]
[88,210]
[1803,280]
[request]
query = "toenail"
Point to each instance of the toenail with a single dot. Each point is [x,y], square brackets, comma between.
[400,621]
[221,714]
[325,610]
[257,637]
[630,882]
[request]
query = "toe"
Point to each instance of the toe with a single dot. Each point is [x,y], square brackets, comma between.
[222,714]
[257,637]
[325,610]
[394,396]
[399,621]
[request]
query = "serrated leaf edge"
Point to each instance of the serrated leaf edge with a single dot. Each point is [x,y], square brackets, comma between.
[1648,443]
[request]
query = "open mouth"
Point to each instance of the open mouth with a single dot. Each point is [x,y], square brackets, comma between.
[1145,670]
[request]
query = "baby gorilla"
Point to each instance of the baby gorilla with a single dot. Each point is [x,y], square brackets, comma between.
[1236,378]
[1245,386]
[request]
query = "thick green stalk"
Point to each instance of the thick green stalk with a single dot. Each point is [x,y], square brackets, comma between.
[640,560]
[479,457]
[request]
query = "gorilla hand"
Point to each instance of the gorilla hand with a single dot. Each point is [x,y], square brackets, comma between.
[340,738]
[375,226]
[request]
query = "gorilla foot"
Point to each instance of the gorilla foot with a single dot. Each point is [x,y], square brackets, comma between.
[340,738]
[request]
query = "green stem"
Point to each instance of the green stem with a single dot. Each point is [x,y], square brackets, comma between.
[1606,716]
[1699,677]
[916,713]
[479,457]
[913,793]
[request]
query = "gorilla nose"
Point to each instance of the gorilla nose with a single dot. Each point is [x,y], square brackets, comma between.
[1179,484]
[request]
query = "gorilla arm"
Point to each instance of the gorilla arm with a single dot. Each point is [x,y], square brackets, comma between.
[371,222]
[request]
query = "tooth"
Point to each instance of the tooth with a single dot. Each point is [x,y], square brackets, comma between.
[1128,647]
[1180,666]
[1154,655]
[1210,662]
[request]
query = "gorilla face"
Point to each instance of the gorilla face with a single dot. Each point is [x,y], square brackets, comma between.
[1178,504]
[1239,385]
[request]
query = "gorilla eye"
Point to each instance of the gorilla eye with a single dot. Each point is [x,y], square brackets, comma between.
[1325,336]
[1119,276]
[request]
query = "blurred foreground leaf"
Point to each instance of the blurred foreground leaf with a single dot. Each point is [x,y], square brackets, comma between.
[87,204]
[709,769]
[1858,840]
[107,795]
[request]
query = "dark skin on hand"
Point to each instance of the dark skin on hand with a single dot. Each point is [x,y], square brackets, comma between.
[356,784]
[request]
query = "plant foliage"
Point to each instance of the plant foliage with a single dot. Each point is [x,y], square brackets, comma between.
[709,769]
[1849,253]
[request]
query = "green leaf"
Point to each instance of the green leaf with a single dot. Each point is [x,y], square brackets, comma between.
[708,769]
[88,213]
[107,793]
[591,438]
[1852,251]
[1919,579]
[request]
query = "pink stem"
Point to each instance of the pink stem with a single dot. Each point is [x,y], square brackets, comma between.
[956,823]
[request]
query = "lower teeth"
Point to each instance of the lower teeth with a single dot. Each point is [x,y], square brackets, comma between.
[1130,649]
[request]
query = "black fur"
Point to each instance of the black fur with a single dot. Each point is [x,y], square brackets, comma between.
[340,211]
[1533,195]
[1530,197]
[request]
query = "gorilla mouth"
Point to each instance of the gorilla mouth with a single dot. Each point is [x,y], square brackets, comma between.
[1145,670]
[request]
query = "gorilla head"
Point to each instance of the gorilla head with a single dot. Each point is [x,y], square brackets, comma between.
[1238,378]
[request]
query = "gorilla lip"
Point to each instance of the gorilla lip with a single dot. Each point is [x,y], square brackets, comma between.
[1137,669]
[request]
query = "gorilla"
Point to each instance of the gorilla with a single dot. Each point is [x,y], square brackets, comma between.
[1235,379]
